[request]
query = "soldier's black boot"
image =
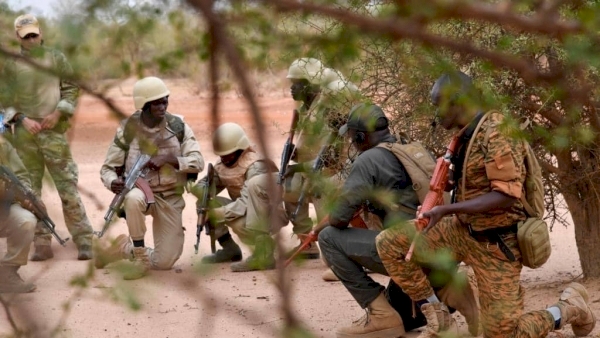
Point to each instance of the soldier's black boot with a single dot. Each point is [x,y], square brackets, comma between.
[230,252]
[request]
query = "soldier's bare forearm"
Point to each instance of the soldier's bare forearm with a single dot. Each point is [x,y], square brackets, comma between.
[491,201]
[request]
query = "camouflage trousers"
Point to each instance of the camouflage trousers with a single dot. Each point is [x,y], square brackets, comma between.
[500,292]
[49,149]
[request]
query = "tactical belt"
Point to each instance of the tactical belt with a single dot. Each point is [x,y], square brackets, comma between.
[495,236]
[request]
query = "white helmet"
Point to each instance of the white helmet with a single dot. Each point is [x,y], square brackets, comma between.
[148,89]
[228,138]
[306,68]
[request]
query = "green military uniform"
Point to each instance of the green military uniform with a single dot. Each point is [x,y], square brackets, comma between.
[35,95]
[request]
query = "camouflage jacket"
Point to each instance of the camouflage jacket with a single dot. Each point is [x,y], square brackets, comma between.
[498,166]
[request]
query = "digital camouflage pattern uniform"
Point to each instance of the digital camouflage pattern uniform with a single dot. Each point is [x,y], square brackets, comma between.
[36,94]
[495,166]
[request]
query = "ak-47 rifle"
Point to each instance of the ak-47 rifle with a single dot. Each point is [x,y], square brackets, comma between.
[437,187]
[316,168]
[203,208]
[288,148]
[22,193]
[313,235]
[134,178]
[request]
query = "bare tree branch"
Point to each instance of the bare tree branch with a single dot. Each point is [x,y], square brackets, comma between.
[50,70]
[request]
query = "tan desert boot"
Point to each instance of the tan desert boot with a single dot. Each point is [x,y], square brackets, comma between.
[329,276]
[574,310]
[11,282]
[381,321]
[439,320]
[141,264]
[462,295]
[42,253]
[106,253]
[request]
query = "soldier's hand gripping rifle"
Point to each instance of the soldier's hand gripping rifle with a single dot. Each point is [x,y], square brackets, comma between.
[203,208]
[313,235]
[134,178]
[316,168]
[437,187]
[22,194]
[288,148]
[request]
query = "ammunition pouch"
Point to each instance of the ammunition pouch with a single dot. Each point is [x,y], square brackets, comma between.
[534,242]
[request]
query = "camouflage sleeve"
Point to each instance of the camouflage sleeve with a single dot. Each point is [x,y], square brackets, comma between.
[503,160]
[115,157]
[69,91]
[13,161]
[191,160]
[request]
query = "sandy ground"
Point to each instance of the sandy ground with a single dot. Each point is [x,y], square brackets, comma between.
[191,302]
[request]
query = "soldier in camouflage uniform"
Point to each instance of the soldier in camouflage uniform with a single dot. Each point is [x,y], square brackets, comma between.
[326,96]
[378,172]
[17,225]
[482,233]
[246,175]
[41,106]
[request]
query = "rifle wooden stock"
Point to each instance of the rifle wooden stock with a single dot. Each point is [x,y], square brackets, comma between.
[22,194]
[313,235]
[437,187]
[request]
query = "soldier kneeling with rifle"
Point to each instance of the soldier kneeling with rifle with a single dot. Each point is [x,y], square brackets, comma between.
[245,174]
[385,177]
[165,148]
[17,224]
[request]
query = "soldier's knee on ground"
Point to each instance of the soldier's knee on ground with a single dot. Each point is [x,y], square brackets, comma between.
[160,261]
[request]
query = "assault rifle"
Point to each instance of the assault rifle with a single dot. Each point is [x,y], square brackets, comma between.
[22,193]
[203,208]
[288,148]
[134,178]
[313,235]
[437,187]
[316,168]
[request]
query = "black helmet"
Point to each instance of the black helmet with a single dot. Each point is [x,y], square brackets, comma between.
[454,85]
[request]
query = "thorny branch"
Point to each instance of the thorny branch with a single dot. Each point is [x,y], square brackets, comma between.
[399,29]
[218,33]
[49,70]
